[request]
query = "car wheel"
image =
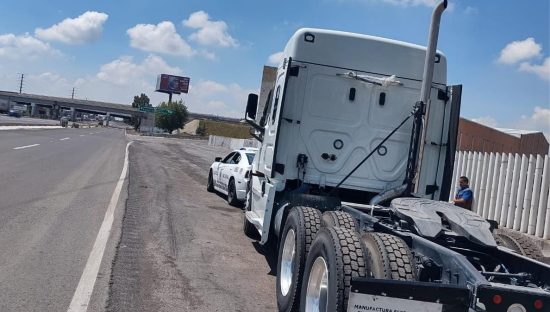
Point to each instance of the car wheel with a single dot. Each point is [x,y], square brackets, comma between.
[210,184]
[232,193]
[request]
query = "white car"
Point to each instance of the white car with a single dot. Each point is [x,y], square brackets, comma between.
[230,176]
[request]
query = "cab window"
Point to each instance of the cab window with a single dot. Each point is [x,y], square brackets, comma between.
[267,108]
[235,160]
[228,158]
[275,104]
[250,157]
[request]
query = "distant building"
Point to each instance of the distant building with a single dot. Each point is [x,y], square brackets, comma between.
[473,136]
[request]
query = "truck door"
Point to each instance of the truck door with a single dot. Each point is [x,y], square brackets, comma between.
[263,190]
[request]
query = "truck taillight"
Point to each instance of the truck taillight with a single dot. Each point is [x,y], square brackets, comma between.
[538,304]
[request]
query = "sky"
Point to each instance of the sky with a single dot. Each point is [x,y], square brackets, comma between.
[499,50]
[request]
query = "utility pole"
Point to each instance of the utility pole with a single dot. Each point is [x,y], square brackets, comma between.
[21,83]
[72,95]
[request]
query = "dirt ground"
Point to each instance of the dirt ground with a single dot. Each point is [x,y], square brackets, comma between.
[182,248]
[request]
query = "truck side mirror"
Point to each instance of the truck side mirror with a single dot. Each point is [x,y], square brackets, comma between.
[251,106]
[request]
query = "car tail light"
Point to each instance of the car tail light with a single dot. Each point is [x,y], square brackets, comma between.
[538,304]
[497,299]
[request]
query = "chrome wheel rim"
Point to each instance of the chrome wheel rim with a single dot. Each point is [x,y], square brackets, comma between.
[287,262]
[317,287]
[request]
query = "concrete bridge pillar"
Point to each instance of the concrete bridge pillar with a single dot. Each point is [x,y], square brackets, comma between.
[34,108]
[73,111]
[107,118]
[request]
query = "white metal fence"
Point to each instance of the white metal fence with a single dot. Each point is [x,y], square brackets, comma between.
[231,143]
[512,189]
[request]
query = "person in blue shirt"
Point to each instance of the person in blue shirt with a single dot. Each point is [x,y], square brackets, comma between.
[464,196]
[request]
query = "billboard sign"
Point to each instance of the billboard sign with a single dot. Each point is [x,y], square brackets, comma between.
[172,84]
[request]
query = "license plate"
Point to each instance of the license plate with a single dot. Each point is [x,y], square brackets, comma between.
[370,303]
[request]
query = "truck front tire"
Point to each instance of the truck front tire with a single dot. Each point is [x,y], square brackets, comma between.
[249,229]
[299,230]
[335,258]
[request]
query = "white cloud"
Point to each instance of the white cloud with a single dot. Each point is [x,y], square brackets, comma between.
[539,120]
[209,33]
[216,105]
[24,47]
[486,120]
[85,28]
[160,38]
[469,10]
[429,3]
[275,59]
[542,70]
[516,51]
[123,71]
[211,97]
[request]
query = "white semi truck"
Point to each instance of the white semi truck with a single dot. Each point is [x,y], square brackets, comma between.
[358,137]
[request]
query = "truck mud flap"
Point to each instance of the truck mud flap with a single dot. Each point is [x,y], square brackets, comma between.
[368,294]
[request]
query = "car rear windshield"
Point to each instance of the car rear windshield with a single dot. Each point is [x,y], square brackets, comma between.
[250,157]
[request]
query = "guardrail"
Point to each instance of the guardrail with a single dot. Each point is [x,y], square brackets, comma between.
[231,143]
[511,189]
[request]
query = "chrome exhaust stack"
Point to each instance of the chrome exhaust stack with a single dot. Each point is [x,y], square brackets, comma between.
[422,107]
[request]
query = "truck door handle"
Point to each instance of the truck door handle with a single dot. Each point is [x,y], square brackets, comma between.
[326,156]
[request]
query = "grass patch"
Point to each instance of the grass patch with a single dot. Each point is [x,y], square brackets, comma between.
[226,129]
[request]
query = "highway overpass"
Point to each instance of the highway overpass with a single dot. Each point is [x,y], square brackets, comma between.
[55,104]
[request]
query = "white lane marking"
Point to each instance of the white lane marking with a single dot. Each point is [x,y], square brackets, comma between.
[83,292]
[29,127]
[91,133]
[26,146]
[64,139]
[82,135]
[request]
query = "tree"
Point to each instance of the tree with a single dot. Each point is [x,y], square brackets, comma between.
[139,102]
[171,116]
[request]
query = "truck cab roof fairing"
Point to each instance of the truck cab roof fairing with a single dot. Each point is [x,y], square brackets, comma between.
[363,53]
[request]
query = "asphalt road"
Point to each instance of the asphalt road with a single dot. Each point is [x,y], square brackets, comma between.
[7,120]
[54,191]
[182,248]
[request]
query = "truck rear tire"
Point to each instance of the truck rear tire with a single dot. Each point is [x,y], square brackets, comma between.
[335,258]
[338,219]
[299,230]
[388,257]
[519,243]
